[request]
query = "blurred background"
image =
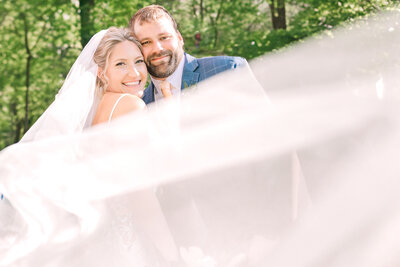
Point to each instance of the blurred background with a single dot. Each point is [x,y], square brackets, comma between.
[40,40]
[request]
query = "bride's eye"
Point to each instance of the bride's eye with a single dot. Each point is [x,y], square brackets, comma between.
[120,64]
[139,61]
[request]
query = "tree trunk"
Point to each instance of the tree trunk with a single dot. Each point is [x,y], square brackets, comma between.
[18,127]
[278,14]
[27,84]
[201,13]
[87,28]
[27,73]
[214,23]
[14,121]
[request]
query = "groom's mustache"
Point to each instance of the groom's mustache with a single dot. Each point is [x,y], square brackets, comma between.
[161,54]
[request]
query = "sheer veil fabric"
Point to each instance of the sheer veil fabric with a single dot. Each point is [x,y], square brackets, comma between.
[76,102]
[309,181]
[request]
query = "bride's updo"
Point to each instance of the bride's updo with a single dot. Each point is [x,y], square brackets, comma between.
[113,37]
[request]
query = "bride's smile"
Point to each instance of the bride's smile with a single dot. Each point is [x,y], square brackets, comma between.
[132,83]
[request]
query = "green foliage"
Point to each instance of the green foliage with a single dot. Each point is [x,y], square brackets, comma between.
[316,16]
[320,15]
[224,26]
[244,28]
[109,13]
[47,35]
[53,39]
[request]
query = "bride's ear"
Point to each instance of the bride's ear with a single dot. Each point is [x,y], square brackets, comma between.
[100,73]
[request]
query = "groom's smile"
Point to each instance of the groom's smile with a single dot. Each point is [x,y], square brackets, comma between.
[160,60]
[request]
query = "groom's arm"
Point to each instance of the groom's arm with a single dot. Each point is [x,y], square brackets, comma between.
[210,66]
[239,62]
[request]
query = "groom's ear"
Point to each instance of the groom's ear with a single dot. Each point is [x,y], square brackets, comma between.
[180,37]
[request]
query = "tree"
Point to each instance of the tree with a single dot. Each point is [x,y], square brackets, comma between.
[278,14]
[32,40]
[87,26]
[225,27]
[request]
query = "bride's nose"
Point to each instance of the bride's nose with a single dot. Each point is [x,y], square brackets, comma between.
[133,71]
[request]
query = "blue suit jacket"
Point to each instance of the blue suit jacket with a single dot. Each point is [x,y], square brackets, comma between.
[198,69]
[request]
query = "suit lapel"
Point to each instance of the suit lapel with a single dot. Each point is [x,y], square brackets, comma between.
[189,76]
[148,94]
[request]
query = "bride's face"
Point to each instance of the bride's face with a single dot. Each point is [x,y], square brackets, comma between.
[126,70]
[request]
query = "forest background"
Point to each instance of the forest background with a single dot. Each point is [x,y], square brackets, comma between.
[40,40]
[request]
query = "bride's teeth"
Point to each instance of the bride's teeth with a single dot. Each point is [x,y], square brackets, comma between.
[132,83]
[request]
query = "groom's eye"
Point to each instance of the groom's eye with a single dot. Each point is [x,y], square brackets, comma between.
[145,42]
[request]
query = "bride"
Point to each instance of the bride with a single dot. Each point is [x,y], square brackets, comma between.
[106,82]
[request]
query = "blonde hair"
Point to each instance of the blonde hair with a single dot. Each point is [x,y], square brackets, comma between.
[113,37]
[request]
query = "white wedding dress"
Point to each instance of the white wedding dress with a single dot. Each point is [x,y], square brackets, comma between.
[311,181]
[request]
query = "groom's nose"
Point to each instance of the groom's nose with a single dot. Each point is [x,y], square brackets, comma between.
[157,46]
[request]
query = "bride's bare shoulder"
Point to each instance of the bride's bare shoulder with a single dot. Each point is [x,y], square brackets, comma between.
[114,105]
[127,103]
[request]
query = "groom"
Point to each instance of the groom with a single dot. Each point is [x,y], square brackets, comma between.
[162,47]
[164,55]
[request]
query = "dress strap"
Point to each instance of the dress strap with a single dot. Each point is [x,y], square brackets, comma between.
[115,105]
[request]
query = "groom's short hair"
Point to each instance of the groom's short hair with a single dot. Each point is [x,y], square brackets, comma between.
[149,14]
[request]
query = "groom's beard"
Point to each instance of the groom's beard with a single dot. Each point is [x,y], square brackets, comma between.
[162,70]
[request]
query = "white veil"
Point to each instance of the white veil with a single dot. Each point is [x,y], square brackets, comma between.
[224,171]
[75,104]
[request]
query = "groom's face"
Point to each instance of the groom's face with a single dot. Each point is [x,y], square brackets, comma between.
[162,46]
